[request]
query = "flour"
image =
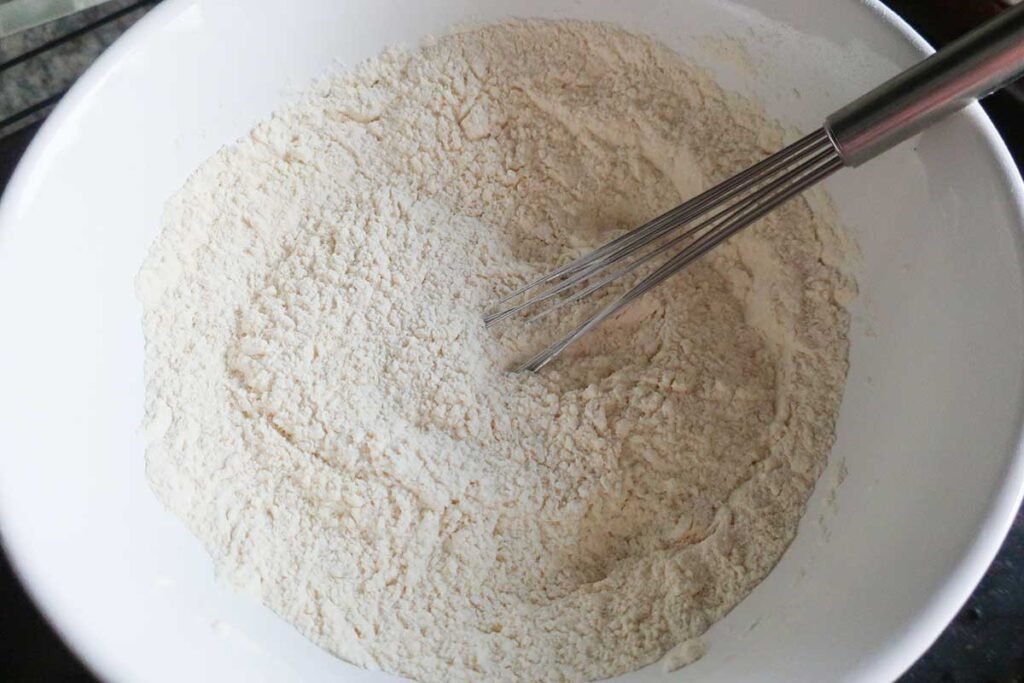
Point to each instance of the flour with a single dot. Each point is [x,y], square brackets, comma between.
[329,416]
[684,654]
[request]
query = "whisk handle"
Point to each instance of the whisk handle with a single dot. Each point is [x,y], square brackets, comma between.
[975,65]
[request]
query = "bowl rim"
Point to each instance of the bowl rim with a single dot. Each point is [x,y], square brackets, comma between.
[896,658]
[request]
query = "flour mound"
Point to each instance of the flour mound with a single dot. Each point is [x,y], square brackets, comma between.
[329,416]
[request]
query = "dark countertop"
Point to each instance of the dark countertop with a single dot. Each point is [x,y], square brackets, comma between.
[983,644]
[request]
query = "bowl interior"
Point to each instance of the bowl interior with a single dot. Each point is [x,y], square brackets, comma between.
[927,450]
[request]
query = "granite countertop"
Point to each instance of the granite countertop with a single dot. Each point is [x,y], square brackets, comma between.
[983,644]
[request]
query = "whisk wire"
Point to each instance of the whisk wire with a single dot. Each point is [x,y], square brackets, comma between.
[813,172]
[705,221]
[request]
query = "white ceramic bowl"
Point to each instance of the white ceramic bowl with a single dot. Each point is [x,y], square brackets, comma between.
[930,425]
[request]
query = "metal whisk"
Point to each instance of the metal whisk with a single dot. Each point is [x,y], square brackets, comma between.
[977,64]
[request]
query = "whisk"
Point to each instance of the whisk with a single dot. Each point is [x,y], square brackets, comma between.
[975,65]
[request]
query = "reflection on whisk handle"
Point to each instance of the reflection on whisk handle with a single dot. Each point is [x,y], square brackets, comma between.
[977,64]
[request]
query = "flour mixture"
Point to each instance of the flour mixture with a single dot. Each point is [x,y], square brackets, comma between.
[328,414]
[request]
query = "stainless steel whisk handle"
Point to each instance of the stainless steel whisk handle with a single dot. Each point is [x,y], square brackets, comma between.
[976,64]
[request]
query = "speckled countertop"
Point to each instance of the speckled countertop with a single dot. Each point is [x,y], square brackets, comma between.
[51,73]
[983,644]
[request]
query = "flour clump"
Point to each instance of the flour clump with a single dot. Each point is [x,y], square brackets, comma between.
[329,416]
